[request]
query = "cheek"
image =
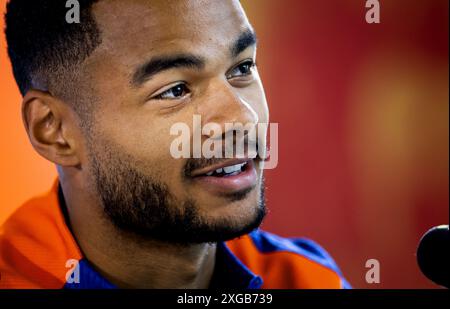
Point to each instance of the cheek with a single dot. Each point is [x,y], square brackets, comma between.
[144,139]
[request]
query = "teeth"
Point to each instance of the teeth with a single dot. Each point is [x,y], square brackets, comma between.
[229,169]
[234,169]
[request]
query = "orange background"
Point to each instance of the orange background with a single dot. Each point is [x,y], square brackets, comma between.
[363,117]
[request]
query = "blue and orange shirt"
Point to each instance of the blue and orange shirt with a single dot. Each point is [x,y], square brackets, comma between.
[36,245]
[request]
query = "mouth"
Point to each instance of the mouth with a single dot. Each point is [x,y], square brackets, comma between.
[227,177]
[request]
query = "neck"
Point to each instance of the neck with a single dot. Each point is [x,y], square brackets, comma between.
[131,261]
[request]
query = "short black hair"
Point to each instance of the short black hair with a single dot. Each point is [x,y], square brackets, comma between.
[43,47]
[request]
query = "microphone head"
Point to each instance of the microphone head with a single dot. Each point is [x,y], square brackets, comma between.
[433,255]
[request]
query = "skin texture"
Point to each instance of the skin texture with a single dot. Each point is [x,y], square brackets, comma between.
[131,124]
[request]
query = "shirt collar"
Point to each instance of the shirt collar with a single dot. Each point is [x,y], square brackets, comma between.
[230,272]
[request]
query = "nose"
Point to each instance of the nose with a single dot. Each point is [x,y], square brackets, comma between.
[225,105]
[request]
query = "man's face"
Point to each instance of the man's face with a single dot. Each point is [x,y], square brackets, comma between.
[161,63]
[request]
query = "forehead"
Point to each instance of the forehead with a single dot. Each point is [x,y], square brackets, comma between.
[133,29]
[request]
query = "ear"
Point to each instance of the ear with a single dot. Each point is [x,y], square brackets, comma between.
[51,128]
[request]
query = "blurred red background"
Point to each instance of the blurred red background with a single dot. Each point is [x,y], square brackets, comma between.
[363,130]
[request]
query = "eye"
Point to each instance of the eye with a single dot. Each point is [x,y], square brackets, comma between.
[176,92]
[242,69]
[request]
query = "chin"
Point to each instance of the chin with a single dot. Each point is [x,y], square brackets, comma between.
[235,211]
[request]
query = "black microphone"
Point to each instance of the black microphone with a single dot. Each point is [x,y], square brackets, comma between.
[433,255]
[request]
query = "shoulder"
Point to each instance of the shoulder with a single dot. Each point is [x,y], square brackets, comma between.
[288,262]
[35,245]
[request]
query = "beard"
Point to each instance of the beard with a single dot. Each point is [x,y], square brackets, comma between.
[141,204]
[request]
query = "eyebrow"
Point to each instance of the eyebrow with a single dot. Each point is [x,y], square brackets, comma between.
[160,64]
[245,40]
[164,63]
